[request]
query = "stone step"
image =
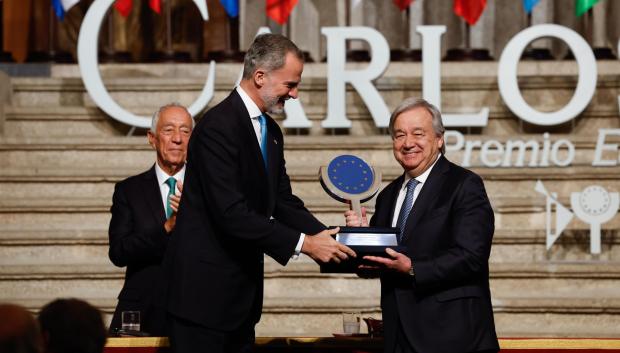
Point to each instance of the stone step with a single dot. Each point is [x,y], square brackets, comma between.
[79,122]
[508,209]
[302,152]
[529,317]
[538,278]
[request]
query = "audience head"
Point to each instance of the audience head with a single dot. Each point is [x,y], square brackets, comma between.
[72,326]
[171,128]
[19,332]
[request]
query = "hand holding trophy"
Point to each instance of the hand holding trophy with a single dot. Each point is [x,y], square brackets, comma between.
[351,180]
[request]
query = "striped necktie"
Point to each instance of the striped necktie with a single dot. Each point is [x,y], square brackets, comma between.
[406,207]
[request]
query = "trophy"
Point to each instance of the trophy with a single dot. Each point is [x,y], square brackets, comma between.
[349,179]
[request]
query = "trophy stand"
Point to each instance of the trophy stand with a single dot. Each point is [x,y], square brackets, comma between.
[349,179]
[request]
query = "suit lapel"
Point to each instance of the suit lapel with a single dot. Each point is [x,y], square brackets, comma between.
[428,195]
[248,133]
[393,198]
[152,193]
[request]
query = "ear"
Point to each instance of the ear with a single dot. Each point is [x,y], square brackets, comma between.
[259,78]
[440,142]
[151,136]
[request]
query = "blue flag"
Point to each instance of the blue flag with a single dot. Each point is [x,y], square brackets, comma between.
[58,9]
[529,5]
[231,7]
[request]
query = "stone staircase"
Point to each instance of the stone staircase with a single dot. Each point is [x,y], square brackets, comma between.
[61,156]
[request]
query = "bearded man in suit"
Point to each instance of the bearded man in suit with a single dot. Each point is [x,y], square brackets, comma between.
[144,212]
[435,297]
[238,206]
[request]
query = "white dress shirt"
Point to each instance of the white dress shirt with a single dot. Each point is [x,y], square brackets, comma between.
[164,189]
[403,190]
[254,112]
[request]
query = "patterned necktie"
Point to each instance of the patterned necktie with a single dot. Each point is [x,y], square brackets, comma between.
[406,207]
[263,140]
[172,183]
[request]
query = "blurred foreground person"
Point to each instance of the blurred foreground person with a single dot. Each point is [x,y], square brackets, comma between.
[72,326]
[19,331]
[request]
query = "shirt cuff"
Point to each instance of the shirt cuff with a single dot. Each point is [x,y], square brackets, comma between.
[300,243]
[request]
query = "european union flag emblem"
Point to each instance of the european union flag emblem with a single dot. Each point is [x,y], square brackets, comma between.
[350,174]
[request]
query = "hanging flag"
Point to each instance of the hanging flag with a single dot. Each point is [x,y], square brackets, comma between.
[62,6]
[582,6]
[231,7]
[470,10]
[123,7]
[155,5]
[58,9]
[529,5]
[402,4]
[280,10]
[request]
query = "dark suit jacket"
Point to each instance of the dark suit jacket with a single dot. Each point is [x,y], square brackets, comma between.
[138,240]
[223,226]
[446,307]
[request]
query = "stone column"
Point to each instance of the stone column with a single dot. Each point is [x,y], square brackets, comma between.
[542,13]
[598,25]
[252,16]
[304,29]
[482,34]
[416,18]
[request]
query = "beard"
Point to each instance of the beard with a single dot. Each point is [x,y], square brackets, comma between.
[274,104]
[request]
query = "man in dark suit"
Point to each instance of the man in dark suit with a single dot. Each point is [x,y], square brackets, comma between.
[143,216]
[435,297]
[238,206]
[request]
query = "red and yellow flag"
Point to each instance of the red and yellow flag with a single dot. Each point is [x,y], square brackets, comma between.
[470,10]
[280,10]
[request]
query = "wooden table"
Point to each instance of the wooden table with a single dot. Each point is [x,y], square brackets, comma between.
[372,345]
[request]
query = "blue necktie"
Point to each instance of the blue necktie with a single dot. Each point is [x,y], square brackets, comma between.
[172,183]
[263,140]
[406,207]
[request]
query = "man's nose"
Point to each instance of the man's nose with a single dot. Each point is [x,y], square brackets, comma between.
[293,93]
[176,136]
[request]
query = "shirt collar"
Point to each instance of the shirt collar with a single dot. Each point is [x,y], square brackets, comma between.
[251,107]
[162,176]
[422,177]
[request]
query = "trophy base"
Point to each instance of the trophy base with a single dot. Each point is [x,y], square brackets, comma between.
[364,241]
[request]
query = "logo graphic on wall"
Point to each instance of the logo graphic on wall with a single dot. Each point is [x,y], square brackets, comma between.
[594,205]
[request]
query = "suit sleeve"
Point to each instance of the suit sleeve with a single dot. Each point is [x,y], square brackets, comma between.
[290,209]
[473,222]
[216,157]
[131,242]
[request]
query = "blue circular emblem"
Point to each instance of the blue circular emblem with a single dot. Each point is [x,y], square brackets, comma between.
[350,174]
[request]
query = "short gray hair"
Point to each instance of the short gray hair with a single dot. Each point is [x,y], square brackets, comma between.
[413,103]
[268,51]
[157,114]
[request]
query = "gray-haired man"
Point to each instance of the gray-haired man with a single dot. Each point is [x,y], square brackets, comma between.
[144,210]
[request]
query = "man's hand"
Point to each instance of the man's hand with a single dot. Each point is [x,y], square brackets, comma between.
[398,262]
[174,204]
[353,219]
[322,248]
